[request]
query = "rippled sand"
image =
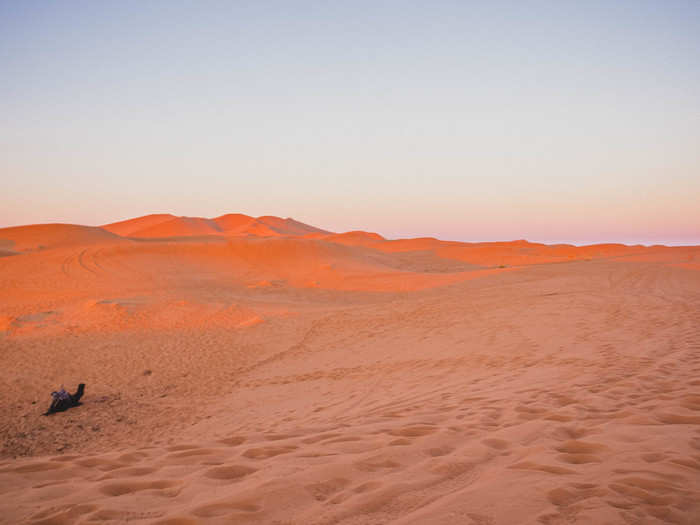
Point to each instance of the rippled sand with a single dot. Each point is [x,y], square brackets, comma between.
[311,378]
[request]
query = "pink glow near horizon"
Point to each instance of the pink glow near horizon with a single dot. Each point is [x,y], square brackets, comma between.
[552,122]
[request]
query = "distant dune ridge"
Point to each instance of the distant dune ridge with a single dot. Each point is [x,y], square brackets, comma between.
[276,249]
[166,225]
[260,370]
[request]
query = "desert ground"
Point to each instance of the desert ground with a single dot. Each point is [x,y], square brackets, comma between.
[260,370]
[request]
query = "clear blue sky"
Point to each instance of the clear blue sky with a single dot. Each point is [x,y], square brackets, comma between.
[554,121]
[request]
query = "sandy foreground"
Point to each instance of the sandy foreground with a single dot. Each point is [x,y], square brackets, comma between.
[263,371]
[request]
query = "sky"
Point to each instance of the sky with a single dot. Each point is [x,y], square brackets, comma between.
[549,121]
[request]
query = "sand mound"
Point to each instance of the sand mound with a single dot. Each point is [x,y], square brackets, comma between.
[233,223]
[45,236]
[130,226]
[288,226]
[511,253]
[180,227]
[166,225]
[355,238]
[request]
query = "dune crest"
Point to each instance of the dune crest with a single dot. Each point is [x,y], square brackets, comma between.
[128,227]
[167,225]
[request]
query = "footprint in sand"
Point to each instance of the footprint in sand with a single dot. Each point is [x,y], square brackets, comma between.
[654,496]
[279,437]
[439,451]
[161,487]
[268,452]
[686,462]
[232,441]
[63,513]
[229,472]
[35,467]
[530,412]
[574,493]
[65,459]
[570,432]
[691,401]
[480,519]
[104,465]
[563,418]
[654,457]
[342,439]
[453,469]
[413,431]
[498,444]
[320,437]
[322,490]
[367,487]
[215,510]
[178,448]
[580,447]
[192,452]
[375,464]
[133,457]
[123,516]
[579,452]
[176,520]
[678,419]
[579,459]
[130,472]
[551,469]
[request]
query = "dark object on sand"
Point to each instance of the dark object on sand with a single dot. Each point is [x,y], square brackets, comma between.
[62,400]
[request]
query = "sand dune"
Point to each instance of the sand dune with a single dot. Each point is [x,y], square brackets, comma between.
[49,236]
[179,227]
[166,225]
[129,227]
[356,238]
[299,376]
[234,222]
[288,226]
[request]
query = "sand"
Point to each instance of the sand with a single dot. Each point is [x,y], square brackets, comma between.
[259,370]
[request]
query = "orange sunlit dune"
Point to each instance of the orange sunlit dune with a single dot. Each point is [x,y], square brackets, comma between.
[166,225]
[261,370]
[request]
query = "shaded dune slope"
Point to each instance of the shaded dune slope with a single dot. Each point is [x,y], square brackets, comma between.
[128,227]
